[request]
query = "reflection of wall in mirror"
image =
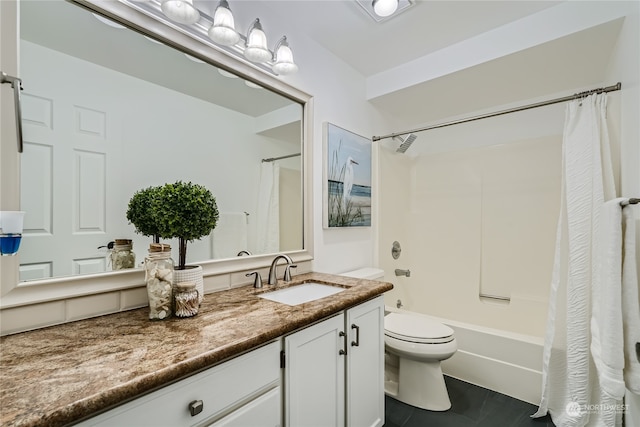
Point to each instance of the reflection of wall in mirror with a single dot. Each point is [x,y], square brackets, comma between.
[151,135]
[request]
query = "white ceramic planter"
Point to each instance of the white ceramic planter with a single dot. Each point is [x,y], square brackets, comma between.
[191,273]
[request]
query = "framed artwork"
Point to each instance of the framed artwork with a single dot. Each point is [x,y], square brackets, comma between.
[347,183]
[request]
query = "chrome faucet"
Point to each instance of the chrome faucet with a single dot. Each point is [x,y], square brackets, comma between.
[273,279]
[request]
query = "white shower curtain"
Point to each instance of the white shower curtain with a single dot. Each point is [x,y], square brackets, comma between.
[268,216]
[570,385]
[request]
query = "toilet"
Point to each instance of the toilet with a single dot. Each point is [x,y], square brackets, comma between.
[414,347]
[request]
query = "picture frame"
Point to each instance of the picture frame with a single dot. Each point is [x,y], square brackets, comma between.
[347,179]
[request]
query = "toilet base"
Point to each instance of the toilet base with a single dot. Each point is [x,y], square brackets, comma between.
[420,384]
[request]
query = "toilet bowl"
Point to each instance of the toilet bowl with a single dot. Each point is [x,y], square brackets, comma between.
[415,346]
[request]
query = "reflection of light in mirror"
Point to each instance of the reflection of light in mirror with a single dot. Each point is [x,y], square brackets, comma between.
[194,59]
[252,84]
[227,74]
[152,40]
[108,21]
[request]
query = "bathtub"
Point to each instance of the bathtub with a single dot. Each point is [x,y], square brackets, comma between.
[502,361]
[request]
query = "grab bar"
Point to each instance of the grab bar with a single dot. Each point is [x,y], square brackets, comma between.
[16,84]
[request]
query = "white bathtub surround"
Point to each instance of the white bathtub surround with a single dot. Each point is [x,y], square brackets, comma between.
[568,377]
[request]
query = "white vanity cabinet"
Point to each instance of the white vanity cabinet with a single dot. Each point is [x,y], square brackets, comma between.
[243,391]
[334,370]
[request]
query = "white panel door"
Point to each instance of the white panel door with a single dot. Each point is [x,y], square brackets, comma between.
[365,364]
[314,375]
[69,170]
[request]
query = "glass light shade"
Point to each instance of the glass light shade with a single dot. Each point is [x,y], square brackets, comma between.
[385,7]
[284,61]
[181,11]
[223,30]
[256,49]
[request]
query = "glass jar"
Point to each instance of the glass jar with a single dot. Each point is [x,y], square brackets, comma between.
[186,299]
[122,255]
[158,267]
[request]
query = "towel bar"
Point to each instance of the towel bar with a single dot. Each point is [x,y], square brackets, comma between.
[630,201]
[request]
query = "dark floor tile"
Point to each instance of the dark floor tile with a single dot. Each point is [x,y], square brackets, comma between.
[471,406]
[466,399]
[396,412]
[422,418]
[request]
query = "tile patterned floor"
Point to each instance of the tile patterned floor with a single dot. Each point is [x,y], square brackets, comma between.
[470,406]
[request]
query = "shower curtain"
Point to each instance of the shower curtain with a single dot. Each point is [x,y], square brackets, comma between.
[268,216]
[570,388]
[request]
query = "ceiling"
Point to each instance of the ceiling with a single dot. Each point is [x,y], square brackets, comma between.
[344,28]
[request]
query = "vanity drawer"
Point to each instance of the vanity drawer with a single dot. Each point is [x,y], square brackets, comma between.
[220,389]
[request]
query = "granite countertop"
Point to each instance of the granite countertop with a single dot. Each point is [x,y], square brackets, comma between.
[62,374]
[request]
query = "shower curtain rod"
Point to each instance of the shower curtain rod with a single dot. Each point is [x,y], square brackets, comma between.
[615,87]
[273,159]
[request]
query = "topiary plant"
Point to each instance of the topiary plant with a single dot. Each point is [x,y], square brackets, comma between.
[186,211]
[141,215]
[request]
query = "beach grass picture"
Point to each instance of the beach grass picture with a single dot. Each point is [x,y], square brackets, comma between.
[348,179]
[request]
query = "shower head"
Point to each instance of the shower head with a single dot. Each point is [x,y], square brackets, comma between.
[405,142]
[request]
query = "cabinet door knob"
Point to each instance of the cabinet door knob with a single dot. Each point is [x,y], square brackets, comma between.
[356,343]
[344,336]
[196,407]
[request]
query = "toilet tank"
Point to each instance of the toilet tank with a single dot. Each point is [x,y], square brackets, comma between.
[366,273]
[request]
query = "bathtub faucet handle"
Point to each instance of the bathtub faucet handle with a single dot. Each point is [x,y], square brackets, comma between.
[400,272]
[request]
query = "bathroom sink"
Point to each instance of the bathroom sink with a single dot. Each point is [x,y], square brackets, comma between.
[302,293]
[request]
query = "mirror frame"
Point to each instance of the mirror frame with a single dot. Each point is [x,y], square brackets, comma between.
[14,293]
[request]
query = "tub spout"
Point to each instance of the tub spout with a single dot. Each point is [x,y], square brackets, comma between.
[400,272]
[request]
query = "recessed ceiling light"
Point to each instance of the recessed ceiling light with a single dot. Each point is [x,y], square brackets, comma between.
[367,6]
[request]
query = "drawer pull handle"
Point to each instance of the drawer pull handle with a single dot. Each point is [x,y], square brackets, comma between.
[196,407]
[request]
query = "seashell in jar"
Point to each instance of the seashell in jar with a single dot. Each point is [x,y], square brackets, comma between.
[164,274]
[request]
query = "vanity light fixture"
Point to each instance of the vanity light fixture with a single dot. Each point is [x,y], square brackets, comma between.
[182,11]
[219,31]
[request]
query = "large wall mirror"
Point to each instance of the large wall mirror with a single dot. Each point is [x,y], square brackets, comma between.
[108,111]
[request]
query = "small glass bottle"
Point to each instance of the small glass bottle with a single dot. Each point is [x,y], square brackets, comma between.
[158,267]
[186,299]
[122,255]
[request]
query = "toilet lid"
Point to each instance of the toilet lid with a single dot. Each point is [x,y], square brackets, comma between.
[416,329]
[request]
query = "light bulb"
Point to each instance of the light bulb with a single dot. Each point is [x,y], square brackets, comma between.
[384,8]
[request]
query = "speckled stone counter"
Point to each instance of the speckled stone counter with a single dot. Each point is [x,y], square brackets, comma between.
[60,375]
